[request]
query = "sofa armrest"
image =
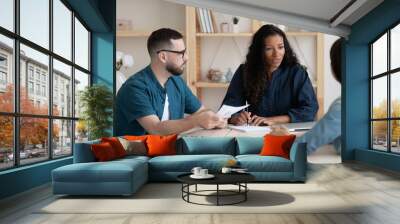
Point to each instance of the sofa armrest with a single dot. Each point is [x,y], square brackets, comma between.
[83,152]
[298,156]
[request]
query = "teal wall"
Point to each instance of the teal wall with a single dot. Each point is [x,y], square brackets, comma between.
[100,17]
[356,99]
[24,178]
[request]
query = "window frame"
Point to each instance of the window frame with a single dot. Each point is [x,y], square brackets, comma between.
[16,114]
[388,74]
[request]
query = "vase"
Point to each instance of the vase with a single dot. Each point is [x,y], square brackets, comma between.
[120,79]
[235,28]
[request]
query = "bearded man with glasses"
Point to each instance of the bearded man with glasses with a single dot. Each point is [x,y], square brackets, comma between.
[154,100]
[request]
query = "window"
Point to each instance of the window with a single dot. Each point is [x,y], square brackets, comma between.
[3,78]
[44,91]
[37,74]
[7,14]
[62,75]
[54,125]
[34,21]
[7,85]
[385,96]
[30,72]
[3,61]
[62,29]
[38,89]
[3,71]
[81,45]
[30,87]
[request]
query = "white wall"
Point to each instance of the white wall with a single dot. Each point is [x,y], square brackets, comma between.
[146,16]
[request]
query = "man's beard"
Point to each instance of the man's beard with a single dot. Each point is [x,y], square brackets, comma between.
[175,70]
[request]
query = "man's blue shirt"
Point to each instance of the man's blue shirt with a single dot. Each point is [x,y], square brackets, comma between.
[142,95]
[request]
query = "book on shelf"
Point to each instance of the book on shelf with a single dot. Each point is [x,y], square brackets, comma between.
[209,21]
[200,20]
[213,22]
[206,20]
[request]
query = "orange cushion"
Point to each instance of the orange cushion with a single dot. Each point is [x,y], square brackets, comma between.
[277,145]
[134,138]
[103,152]
[116,145]
[161,145]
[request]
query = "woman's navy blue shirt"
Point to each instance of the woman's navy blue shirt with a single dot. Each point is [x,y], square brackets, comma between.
[289,92]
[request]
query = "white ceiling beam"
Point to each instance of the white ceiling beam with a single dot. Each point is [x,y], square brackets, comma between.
[270,15]
[346,13]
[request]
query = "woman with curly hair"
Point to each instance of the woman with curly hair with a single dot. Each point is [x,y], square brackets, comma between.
[273,82]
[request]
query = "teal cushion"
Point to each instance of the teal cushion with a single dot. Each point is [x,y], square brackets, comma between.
[249,145]
[133,158]
[185,163]
[111,171]
[257,163]
[83,152]
[206,145]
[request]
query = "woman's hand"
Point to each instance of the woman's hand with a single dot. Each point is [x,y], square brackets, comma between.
[241,119]
[257,121]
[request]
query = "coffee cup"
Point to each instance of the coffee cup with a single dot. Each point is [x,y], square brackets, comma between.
[203,172]
[226,170]
[196,171]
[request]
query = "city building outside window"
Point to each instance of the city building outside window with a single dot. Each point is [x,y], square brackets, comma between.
[56,128]
[30,87]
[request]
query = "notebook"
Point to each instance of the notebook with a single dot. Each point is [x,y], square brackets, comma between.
[250,128]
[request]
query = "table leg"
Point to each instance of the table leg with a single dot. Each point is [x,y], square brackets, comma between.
[217,194]
[245,191]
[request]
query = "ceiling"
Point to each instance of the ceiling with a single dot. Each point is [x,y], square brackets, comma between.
[313,15]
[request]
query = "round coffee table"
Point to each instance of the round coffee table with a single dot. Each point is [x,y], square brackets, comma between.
[238,179]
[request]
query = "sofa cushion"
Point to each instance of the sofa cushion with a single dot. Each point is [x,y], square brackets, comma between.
[158,145]
[206,145]
[257,163]
[185,163]
[116,145]
[277,145]
[131,158]
[103,152]
[83,152]
[133,147]
[111,171]
[249,145]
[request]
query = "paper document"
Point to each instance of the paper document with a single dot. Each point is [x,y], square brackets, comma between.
[227,111]
[250,128]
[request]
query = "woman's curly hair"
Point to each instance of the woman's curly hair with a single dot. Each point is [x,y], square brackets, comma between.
[255,67]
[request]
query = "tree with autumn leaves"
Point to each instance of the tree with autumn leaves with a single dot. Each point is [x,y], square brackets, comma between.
[380,128]
[33,131]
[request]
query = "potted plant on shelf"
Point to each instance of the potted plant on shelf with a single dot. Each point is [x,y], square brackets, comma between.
[96,102]
[235,24]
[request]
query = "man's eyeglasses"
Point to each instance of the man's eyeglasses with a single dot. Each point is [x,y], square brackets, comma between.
[176,52]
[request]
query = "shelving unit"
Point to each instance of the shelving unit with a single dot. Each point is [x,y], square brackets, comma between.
[194,45]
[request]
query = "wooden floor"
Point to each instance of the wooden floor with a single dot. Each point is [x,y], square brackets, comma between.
[378,188]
